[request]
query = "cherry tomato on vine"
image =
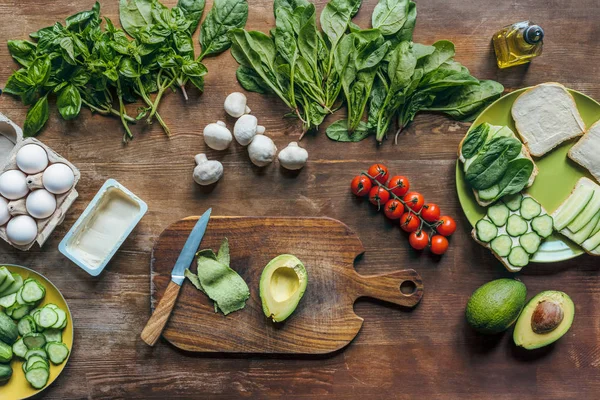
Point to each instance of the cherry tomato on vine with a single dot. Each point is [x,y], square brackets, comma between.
[379,172]
[418,240]
[414,201]
[361,185]
[393,209]
[399,185]
[430,212]
[379,196]
[409,222]
[447,226]
[439,244]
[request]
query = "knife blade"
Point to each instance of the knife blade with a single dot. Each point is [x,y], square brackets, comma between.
[190,248]
[161,314]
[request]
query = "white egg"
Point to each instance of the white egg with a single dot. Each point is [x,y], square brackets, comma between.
[4,214]
[32,159]
[13,184]
[40,204]
[21,230]
[58,178]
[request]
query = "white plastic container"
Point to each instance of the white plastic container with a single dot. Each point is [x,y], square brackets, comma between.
[103,227]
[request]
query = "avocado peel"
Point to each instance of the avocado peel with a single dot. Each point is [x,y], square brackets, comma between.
[282,286]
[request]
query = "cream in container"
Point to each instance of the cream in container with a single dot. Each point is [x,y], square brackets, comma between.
[103,227]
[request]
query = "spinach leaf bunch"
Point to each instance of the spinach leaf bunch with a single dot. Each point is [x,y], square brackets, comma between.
[296,61]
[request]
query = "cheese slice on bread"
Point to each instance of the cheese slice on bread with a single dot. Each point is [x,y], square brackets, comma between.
[546,116]
[586,151]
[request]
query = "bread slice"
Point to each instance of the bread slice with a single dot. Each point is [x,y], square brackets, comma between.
[546,116]
[524,153]
[586,151]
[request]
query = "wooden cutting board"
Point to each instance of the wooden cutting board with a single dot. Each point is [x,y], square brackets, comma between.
[324,320]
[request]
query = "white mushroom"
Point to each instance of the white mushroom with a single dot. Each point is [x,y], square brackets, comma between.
[245,128]
[262,150]
[207,172]
[235,105]
[293,157]
[217,136]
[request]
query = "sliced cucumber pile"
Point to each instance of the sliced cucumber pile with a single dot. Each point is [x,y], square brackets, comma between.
[513,229]
[29,331]
[578,218]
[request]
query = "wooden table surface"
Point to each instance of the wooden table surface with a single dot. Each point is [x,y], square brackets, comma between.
[429,352]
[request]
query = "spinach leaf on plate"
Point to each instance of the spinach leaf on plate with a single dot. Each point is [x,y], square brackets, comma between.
[516,177]
[491,165]
[475,140]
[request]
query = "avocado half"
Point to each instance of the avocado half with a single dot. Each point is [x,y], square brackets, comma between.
[544,320]
[282,285]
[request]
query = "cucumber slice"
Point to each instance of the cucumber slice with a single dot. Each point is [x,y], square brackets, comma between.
[38,364]
[485,230]
[587,214]
[48,317]
[37,377]
[530,242]
[513,201]
[58,352]
[20,299]
[19,348]
[543,225]
[498,213]
[20,311]
[573,206]
[36,352]
[62,319]
[516,225]
[518,257]
[584,233]
[501,245]
[53,335]
[26,325]
[8,281]
[34,340]
[14,287]
[51,305]
[489,193]
[35,359]
[8,301]
[530,208]
[32,292]
[4,273]
[591,243]
[596,229]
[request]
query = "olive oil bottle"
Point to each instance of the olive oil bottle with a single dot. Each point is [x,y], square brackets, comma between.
[518,43]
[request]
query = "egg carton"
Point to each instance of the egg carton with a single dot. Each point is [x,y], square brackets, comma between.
[11,141]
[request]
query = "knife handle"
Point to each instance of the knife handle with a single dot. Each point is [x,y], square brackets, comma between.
[159,318]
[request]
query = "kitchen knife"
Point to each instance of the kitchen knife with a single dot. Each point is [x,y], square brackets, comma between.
[159,318]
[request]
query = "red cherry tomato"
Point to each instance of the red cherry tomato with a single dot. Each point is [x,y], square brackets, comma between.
[393,209]
[414,201]
[409,222]
[379,172]
[399,185]
[379,196]
[447,226]
[439,244]
[418,240]
[361,185]
[430,212]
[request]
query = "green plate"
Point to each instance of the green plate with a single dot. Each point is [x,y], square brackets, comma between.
[555,181]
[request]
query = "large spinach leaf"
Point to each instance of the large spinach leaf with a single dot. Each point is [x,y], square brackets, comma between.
[516,177]
[224,16]
[193,10]
[389,16]
[475,140]
[491,165]
[339,132]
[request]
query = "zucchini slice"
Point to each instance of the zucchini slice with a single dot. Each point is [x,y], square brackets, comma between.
[58,352]
[530,242]
[543,225]
[516,225]
[501,245]
[489,193]
[34,340]
[513,201]
[485,230]
[498,214]
[518,257]
[37,377]
[530,208]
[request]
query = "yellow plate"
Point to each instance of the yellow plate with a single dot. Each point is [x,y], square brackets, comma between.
[17,387]
[555,181]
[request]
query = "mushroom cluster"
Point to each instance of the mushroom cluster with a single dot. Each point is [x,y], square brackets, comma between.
[247,132]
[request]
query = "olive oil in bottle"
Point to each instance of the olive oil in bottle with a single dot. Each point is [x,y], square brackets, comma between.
[518,43]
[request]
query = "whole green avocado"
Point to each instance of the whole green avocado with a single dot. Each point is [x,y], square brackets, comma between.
[495,306]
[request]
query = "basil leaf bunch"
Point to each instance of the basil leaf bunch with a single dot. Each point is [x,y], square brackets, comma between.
[296,61]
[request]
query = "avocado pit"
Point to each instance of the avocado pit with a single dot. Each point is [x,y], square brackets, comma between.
[546,317]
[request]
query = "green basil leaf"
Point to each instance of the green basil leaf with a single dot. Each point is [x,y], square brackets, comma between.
[135,15]
[516,177]
[36,117]
[80,20]
[39,71]
[22,51]
[192,10]
[197,81]
[68,51]
[196,69]
[389,16]
[69,102]
[224,16]
[475,140]
[19,83]
[338,131]
[129,68]
[183,43]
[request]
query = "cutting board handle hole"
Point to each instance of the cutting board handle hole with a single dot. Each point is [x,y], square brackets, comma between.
[407,288]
